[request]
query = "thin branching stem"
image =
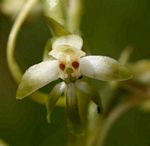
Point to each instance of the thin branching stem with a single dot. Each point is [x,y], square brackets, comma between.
[73,12]
[12,64]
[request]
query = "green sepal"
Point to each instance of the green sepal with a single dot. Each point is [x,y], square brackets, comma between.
[53,97]
[47,49]
[56,28]
[97,100]
[91,93]
[74,119]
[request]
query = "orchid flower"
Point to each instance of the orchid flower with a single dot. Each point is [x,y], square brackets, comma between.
[70,63]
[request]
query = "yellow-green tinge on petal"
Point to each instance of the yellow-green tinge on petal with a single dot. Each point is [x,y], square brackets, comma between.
[103,68]
[36,77]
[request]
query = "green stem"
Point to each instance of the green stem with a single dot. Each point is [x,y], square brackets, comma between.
[54,10]
[73,18]
[12,64]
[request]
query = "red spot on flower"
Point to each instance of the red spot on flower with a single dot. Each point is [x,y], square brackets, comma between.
[75,64]
[62,66]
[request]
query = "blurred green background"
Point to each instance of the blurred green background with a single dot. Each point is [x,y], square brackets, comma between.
[108,26]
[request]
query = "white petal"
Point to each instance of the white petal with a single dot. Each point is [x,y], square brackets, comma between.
[64,52]
[53,97]
[103,68]
[74,41]
[37,76]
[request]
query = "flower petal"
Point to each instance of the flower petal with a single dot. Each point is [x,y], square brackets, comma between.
[90,92]
[64,51]
[74,119]
[103,68]
[74,41]
[53,97]
[37,76]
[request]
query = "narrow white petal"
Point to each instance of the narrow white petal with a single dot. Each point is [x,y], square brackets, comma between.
[103,68]
[74,41]
[37,76]
[53,97]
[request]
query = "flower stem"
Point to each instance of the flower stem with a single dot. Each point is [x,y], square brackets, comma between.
[12,64]
[73,12]
[54,10]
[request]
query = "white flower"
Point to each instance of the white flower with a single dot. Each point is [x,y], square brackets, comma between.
[70,63]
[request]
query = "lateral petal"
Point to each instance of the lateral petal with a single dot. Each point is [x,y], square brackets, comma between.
[103,68]
[74,119]
[53,97]
[37,76]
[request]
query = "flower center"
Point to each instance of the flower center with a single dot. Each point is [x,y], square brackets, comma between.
[75,64]
[69,69]
[62,66]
